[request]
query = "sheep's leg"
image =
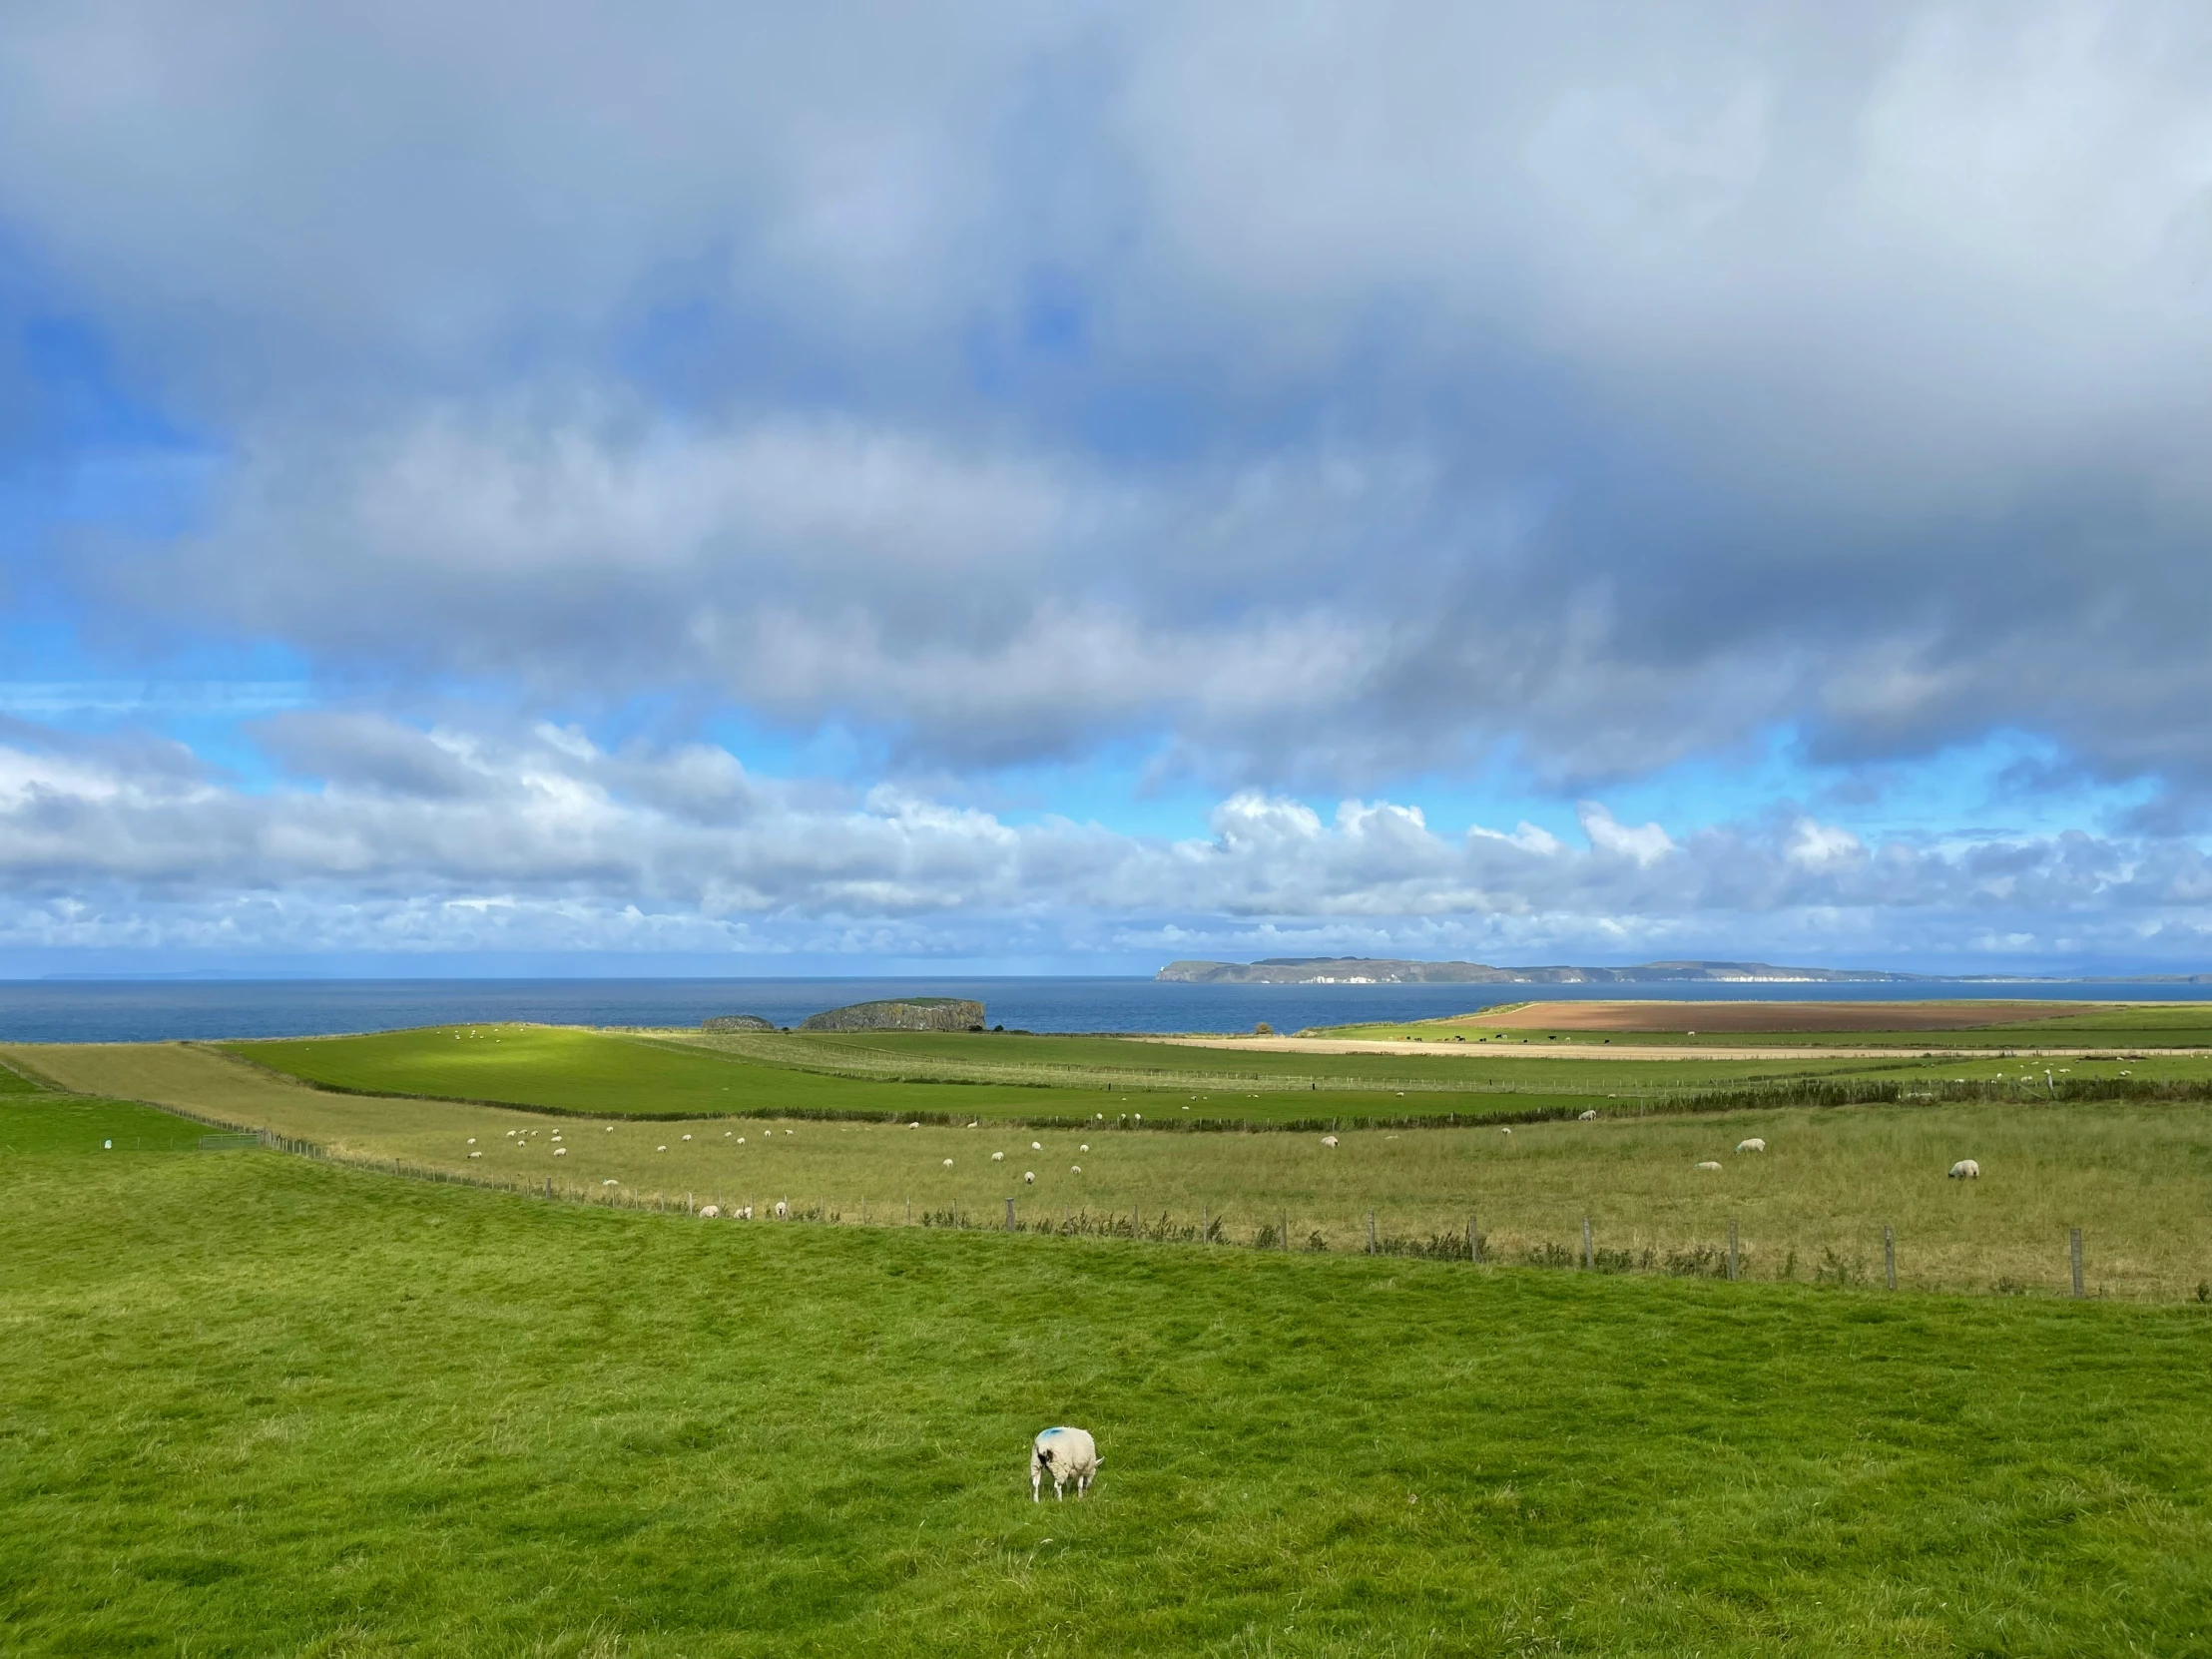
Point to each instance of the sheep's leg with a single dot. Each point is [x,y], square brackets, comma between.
[1036,1479]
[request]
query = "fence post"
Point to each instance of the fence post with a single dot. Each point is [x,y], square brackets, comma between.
[1474,1239]
[1585,1241]
[1732,1249]
[2073,1249]
[1371,1232]
[1010,1215]
[1205,1227]
[1286,1229]
[1890,1256]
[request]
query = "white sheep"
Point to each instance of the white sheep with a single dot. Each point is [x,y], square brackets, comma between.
[743,1212]
[660,1149]
[1065,1454]
[472,1140]
[560,1152]
[1755,1144]
[1030,1178]
[1085,1147]
[475,1154]
[1966,1170]
[948,1163]
[1075,1169]
[998,1157]
[1505,1131]
[709,1212]
[1588,1117]
[1328,1140]
[783,1211]
[1708,1164]
[1036,1146]
[687,1137]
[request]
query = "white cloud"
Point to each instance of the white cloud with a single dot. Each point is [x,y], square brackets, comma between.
[1646,844]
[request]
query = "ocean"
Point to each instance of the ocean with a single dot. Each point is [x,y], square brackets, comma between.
[150,1010]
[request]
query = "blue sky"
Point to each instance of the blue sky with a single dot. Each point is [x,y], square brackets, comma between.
[665,488]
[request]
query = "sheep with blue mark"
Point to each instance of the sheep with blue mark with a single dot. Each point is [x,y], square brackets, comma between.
[1063,1455]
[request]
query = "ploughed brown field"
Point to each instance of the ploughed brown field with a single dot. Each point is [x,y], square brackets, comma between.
[1717,1017]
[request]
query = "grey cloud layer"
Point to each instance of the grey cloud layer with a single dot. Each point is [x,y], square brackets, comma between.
[453,840]
[1322,392]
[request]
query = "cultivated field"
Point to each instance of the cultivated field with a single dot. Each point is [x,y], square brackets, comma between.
[260,1404]
[2069,1028]
[2135,1176]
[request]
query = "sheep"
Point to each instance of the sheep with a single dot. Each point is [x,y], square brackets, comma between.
[1506,1131]
[1085,1147]
[475,1154]
[743,1212]
[687,1137]
[783,1211]
[1328,1140]
[660,1149]
[1075,1169]
[710,1212]
[948,1163]
[1755,1144]
[998,1157]
[560,1152]
[1966,1170]
[1588,1117]
[472,1140]
[1030,1178]
[610,1128]
[1036,1146]
[1708,1164]
[1065,1454]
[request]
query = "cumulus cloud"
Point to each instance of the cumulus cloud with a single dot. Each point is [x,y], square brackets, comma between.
[445,840]
[1308,404]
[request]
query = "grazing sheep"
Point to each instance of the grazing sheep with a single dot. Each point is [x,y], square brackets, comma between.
[475,1154]
[1755,1144]
[948,1163]
[1030,1178]
[913,1126]
[998,1157]
[472,1140]
[1966,1170]
[660,1149]
[1505,1131]
[1708,1164]
[710,1212]
[687,1137]
[1085,1147]
[783,1211]
[610,1128]
[560,1152]
[743,1212]
[1065,1454]
[1036,1146]
[1328,1140]
[1075,1169]
[1588,1117]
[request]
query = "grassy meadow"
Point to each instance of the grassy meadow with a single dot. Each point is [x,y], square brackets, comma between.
[2135,1176]
[261,1405]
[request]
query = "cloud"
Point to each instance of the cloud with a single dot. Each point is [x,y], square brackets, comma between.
[1310,405]
[393,837]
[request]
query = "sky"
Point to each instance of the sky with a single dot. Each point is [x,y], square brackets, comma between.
[858,488]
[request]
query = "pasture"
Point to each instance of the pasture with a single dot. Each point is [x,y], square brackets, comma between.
[2136,1176]
[255,1403]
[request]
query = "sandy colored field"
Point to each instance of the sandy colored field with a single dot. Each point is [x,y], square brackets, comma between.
[1590,1048]
[2136,1179]
[1692,1018]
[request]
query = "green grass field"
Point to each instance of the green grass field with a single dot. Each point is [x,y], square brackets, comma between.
[2136,1176]
[257,1404]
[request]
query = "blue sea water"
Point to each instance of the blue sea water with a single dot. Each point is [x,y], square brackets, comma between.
[144,1011]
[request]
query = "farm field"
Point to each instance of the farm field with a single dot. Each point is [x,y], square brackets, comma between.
[2135,1176]
[1068,1080]
[255,1403]
[1813,1025]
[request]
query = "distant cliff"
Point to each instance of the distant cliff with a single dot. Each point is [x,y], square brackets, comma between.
[1385,970]
[906,1013]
